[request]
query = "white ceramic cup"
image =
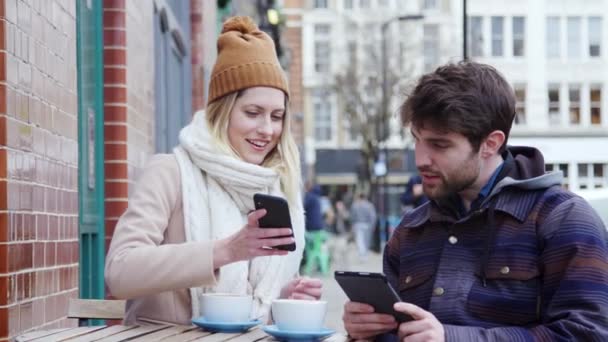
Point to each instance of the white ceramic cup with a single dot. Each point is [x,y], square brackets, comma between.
[299,315]
[226,307]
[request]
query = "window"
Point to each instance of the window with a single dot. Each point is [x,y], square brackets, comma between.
[322,52]
[348,4]
[553,37]
[431,46]
[574,97]
[600,176]
[583,176]
[497,36]
[596,105]
[364,3]
[554,117]
[322,115]
[574,37]
[520,104]
[518,36]
[595,36]
[383,3]
[564,169]
[475,36]
[320,3]
[322,48]
[429,4]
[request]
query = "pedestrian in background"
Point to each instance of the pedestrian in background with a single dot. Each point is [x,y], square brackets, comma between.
[413,197]
[363,219]
[191,226]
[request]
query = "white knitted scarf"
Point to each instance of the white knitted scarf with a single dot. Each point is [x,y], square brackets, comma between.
[217,196]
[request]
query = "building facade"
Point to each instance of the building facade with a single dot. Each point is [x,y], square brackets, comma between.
[552,52]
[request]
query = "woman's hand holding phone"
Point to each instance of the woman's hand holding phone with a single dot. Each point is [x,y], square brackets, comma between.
[250,242]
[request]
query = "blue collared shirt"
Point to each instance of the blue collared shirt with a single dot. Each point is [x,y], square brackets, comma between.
[483,193]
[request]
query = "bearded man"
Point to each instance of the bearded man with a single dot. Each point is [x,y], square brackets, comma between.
[501,252]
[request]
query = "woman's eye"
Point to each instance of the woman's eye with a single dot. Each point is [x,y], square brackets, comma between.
[251,113]
[277,117]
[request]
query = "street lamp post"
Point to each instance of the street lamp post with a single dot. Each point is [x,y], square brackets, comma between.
[384,131]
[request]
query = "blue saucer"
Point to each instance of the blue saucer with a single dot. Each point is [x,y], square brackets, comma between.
[290,335]
[226,327]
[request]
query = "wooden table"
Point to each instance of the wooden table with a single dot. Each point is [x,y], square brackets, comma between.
[148,333]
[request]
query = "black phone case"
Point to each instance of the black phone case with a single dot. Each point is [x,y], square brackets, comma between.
[373,289]
[277,215]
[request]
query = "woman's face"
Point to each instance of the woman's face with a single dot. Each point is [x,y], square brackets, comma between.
[256,123]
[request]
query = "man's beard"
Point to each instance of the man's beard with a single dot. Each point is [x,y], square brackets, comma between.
[460,179]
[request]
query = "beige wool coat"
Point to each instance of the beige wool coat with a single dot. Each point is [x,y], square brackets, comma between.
[162,262]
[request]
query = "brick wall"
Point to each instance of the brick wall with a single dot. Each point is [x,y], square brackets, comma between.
[196,34]
[38,165]
[129,99]
[292,35]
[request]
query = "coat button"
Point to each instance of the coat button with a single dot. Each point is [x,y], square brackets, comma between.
[438,291]
[505,270]
[453,240]
[408,279]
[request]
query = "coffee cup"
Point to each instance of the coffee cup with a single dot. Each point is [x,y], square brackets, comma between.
[298,315]
[226,307]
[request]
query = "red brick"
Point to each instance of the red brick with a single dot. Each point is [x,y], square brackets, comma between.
[3,292]
[115,113]
[115,209]
[3,258]
[2,63]
[114,19]
[2,97]
[114,56]
[3,311]
[114,4]
[115,94]
[114,37]
[114,76]
[117,190]
[3,195]
[115,151]
[116,170]
[113,133]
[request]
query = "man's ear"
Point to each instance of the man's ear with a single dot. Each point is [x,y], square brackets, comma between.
[492,143]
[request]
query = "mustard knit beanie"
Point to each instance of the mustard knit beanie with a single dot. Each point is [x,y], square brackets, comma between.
[246,57]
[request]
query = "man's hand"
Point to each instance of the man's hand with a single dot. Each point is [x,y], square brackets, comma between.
[361,322]
[424,327]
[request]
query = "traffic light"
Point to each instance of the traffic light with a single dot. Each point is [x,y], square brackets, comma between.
[271,23]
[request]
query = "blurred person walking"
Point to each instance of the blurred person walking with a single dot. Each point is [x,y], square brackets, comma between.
[363,219]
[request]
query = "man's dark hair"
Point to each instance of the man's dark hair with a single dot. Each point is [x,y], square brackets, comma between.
[469,98]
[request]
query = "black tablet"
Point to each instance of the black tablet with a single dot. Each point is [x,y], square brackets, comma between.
[373,289]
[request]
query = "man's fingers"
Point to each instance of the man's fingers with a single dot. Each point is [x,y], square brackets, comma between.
[415,311]
[413,327]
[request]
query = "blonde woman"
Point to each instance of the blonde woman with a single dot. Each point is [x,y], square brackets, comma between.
[191,227]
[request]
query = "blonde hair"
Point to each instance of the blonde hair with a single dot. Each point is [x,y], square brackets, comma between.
[284,158]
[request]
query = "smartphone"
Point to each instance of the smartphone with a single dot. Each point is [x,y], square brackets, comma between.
[373,289]
[277,215]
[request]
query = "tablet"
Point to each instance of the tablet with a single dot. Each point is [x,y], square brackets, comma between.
[373,289]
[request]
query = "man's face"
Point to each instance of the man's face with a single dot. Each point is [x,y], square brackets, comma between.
[446,162]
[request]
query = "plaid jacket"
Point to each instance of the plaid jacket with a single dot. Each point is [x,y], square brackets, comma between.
[529,264]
